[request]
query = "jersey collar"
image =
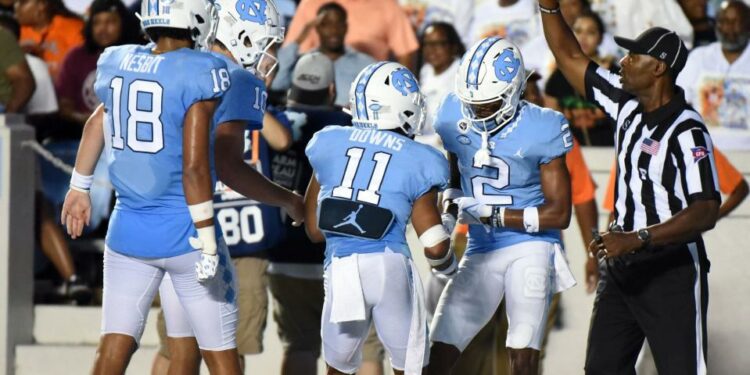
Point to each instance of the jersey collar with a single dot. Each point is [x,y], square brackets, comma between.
[665,112]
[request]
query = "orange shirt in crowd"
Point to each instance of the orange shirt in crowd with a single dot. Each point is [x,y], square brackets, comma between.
[582,185]
[729,178]
[376,27]
[62,34]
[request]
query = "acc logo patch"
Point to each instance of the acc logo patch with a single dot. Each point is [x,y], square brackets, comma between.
[464,140]
[506,66]
[699,153]
[463,126]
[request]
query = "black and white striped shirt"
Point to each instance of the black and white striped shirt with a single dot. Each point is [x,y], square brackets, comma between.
[664,158]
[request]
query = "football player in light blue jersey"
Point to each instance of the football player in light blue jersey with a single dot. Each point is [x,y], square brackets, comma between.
[158,103]
[368,181]
[245,40]
[515,196]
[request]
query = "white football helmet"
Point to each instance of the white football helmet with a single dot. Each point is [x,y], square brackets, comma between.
[248,29]
[491,71]
[385,95]
[197,16]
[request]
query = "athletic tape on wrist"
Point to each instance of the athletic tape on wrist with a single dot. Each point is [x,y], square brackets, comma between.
[451,194]
[207,235]
[433,236]
[531,219]
[201,211]
[79,182]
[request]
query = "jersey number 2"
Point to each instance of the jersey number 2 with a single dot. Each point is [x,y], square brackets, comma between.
[146,111]
[502,180]
[376,178]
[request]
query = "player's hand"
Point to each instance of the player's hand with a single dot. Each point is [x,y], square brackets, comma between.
[592,274]
[615,244]
[470,211]
[205,269]
[449,222]
[76,212]
[295,208]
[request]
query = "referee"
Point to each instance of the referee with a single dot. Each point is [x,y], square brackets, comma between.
[654,283]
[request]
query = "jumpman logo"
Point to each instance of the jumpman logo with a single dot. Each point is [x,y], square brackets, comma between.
[351,219]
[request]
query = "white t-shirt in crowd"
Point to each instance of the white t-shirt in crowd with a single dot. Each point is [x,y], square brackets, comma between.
[519,23]
[720,92]
[434,88]
[44,99]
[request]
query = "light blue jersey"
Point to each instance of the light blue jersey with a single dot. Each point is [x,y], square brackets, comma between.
[247,225]
[146,97]
[512,177]
[375,167]
[246,98]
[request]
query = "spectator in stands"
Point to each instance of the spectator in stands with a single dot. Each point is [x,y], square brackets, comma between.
[441,49]
[296,270]
[109,23]
[696,12]
[589,124]
[48,30]
[16,80]
[330,26]
[715,76]
[378,28]
[6,6]
[43,101]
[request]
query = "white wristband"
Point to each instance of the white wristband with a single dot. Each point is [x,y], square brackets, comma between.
[434,236]
[447,271]
[201,211]
[207,236]
[79,182]
[437,262]
[531,219]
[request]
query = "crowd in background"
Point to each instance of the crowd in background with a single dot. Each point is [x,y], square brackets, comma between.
[48,57]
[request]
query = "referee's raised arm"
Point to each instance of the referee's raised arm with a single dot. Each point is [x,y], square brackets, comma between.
[570,58]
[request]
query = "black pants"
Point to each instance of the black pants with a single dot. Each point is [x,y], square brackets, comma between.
[661,295]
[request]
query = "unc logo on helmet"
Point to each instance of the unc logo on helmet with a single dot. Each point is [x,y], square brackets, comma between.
[252,10]
[506,66]
[376,105]
[404,81]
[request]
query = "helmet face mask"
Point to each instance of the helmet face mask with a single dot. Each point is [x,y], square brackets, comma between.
[492,71]
[249,29]
[386,96]
[198,17]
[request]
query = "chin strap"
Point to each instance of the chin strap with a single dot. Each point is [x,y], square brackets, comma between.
[482,156]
